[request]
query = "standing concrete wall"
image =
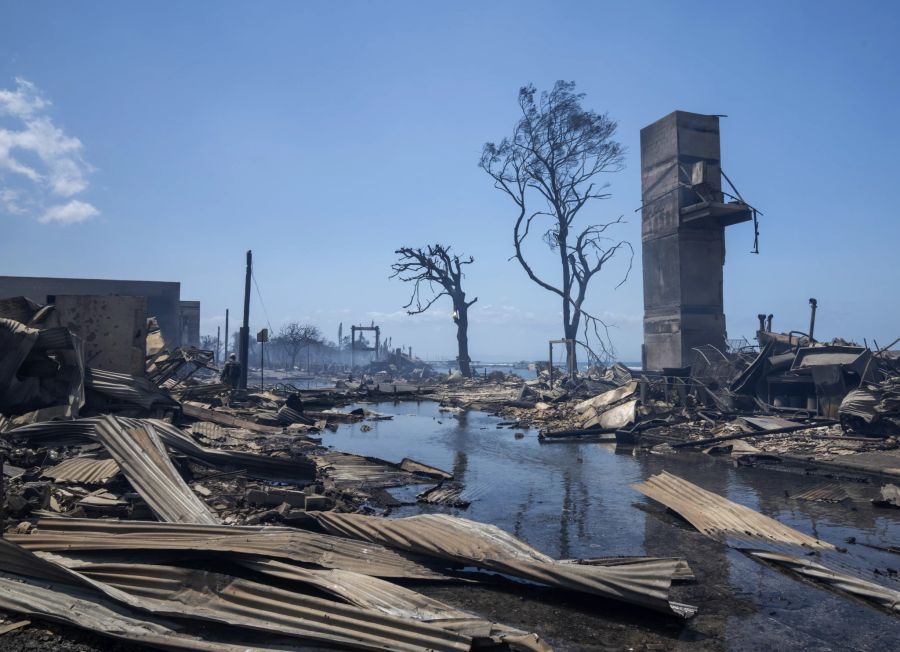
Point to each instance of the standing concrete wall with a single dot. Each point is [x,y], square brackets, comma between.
[112,329]
[163,298]
[683,238]
[189,315]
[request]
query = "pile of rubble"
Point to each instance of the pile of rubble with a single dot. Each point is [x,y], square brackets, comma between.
[167,510]
[794,401]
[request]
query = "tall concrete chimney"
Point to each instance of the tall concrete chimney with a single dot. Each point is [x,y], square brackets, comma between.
[683,238]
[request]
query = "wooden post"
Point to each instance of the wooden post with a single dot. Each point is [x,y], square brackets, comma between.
[550,366]
[226,335]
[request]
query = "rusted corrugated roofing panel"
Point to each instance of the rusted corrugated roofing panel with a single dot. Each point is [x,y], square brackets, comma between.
[486,546]
[719,517]
[83,470]
[144,460]
[300,546]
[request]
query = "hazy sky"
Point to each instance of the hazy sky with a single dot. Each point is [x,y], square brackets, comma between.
[162,140]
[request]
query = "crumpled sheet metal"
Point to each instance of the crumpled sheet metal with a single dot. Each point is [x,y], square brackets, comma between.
[349,470]
[881,595]
[63,394]
[718,517]
[265,467]
[128,389]
[487,546]
[145,462]
[162,582]
[88,610]
[326,551]
[195,593]
[829,493]
[239,605]
[258,466]
[607,398]
[83,470]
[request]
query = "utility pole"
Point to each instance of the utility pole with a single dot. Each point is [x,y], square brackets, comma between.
[218,342]
[227,334]
[245,329]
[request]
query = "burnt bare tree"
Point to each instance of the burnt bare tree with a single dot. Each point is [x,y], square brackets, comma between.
[294,337]
[436,273]
[552,167]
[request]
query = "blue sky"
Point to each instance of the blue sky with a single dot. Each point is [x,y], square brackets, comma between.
[325,135]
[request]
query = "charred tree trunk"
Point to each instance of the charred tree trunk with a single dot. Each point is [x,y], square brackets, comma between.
[462,335]
[436,266]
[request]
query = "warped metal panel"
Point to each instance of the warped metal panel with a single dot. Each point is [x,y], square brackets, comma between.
[259,466]
[300,546]
[718,517]
[145,462]
[83,470]
[347,470]
[869,591]
[175,591]
[128,389]
[87,610]
[239,605]
[486,546]
[265,467]
[829,493]
[383,601]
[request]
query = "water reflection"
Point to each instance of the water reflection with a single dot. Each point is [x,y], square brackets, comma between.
[574,500]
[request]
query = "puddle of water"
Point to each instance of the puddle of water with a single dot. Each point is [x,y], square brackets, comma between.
[574,500]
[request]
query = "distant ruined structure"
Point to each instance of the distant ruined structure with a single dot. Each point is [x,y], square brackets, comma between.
[684,216]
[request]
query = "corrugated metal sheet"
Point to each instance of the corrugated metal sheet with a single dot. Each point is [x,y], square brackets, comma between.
[199,594]
[83,470]
[259,466]
[265,467]
[719,517]
[299,546]
[128,389]
[880,595]
[87,610]
[144,460]
[308,616]
[489,547]
[171,590]
[829,493]
[239,606]
[348,470]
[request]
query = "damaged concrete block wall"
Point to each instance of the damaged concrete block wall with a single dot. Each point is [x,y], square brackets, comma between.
[683,238]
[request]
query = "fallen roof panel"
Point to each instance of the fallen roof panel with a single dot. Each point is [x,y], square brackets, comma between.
[881,595]
[326,551]
[83,470]
[487,546]
[718,517]
[145,462]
